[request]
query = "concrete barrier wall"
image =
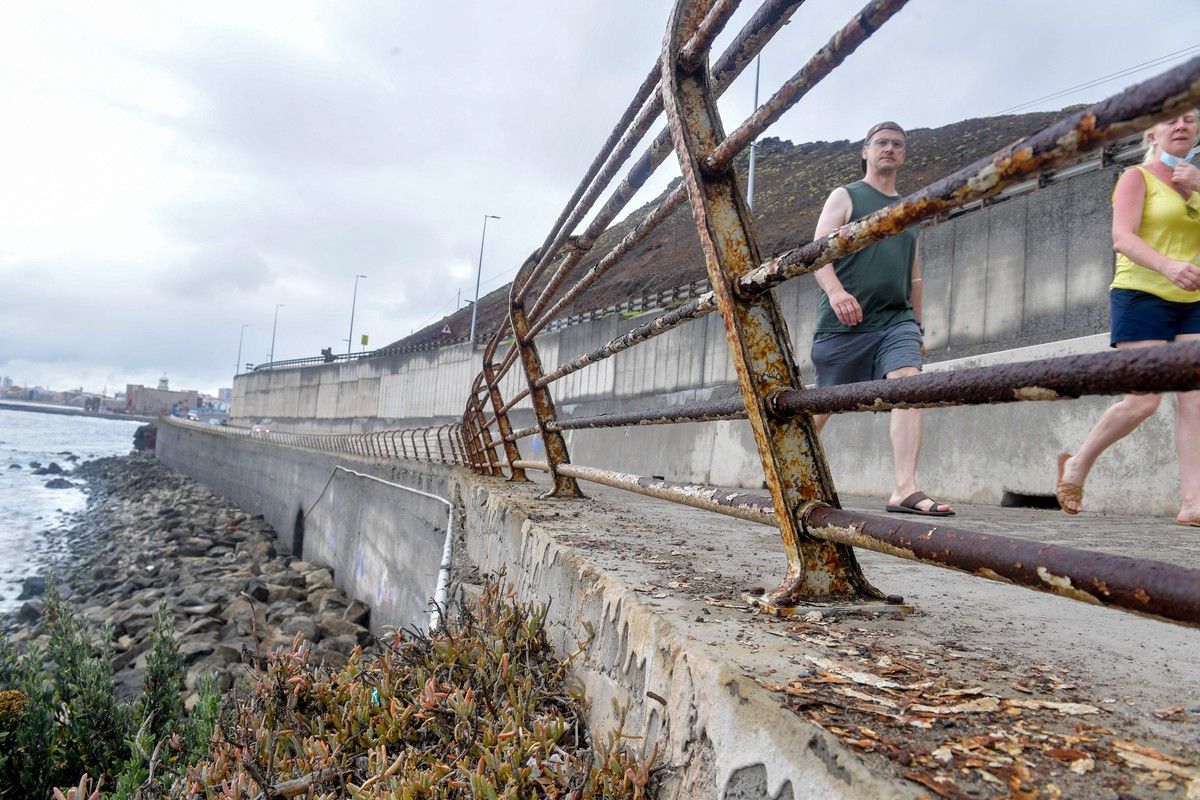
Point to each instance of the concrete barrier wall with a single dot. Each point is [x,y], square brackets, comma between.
[1022,279]
[383,545]
[1032,269]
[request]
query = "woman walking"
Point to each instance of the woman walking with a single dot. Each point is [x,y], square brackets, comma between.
[1154,299]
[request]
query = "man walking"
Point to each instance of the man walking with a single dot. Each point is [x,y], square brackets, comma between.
[869,314]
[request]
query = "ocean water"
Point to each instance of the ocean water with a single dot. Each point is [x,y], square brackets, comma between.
[30,512]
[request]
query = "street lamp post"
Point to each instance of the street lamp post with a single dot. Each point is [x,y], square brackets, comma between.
[478,275]
[274,325]
[353,303]
[754,144]
[237,365]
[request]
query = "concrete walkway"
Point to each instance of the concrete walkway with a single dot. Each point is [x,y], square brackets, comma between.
[981,690]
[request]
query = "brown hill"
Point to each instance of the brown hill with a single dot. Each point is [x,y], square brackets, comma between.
[791,184]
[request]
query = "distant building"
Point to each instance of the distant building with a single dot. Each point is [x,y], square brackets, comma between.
[162,382]
[157,402]
[5,382]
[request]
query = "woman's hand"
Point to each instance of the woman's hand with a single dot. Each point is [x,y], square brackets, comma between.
[1187,176]
[1183,274]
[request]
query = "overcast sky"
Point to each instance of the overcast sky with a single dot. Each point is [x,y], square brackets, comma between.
[170,172]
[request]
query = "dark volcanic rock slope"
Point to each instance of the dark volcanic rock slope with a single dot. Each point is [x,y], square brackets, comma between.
[791,184]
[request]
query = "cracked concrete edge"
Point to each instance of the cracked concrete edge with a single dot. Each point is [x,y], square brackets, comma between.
[718,730]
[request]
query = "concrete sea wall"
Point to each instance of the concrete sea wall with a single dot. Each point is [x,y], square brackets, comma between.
[724,736]
[383,553]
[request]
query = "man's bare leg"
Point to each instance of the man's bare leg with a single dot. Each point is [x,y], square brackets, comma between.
[907,428]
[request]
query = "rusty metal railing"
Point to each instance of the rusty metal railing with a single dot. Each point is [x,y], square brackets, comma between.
[818,537]
[803,502]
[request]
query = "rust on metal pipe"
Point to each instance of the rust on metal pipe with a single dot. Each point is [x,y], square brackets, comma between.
[643,229]
[1123,114]
[694,52]
[703,411]
[695,308]
[645,96]
[511,453]
[651,109]
[516,398]
[543,405]
[731,503]
[754,35]
[1173,367]
[523,432]
[843,43]
[793,463]
[1153,588]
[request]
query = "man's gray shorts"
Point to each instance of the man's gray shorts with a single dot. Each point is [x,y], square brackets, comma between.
[852,357]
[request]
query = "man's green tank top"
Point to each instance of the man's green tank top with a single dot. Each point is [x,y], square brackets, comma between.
[879,277]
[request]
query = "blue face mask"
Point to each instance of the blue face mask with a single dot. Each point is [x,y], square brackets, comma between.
[1174,161]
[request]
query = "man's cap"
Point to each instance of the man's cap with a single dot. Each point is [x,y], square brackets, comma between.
[886,125]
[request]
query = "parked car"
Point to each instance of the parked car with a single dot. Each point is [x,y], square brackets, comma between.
[263,426]
[193,416]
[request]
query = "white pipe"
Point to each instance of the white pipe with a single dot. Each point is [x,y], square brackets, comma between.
[438,614]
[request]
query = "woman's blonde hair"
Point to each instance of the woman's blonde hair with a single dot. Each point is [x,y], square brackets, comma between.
[1151,145]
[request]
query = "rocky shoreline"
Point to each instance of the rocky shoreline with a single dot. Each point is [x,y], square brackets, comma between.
[151,534]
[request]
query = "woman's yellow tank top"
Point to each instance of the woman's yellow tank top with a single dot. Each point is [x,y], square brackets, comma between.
[1171,225]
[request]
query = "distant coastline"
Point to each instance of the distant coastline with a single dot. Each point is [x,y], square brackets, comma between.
[50,408]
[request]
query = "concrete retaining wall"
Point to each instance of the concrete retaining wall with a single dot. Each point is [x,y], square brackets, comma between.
[383,552]
[1032,269]
[1022,279]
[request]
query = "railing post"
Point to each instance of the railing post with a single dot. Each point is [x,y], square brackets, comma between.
[793,462]
[487,446]
[511,451]
[543,403]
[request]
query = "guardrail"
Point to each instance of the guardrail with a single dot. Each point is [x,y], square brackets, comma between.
[818,537]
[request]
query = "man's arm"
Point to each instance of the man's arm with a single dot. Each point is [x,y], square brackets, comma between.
[835,214]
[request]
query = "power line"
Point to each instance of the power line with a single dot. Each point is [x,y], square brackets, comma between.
[1177,55]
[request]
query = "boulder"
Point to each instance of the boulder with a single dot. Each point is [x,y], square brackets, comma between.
[302,625]
[59,483]
[335,628]
[358,612]
[33,586]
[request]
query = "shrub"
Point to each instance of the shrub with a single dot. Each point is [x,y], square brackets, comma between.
[60,717]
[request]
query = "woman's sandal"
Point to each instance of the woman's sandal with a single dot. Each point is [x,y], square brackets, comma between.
[1068,492]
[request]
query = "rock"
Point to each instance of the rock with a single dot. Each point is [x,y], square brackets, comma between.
[302,625]
[29,612]
[198,626]
[145,437]
[332,659]
[335,628]
[328,601]
[257,590]
[14,466]
[358,612]
[52,469]
[277,593]
[195,546]
[33,586]
[319,579]
[59,483]
[193,649]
